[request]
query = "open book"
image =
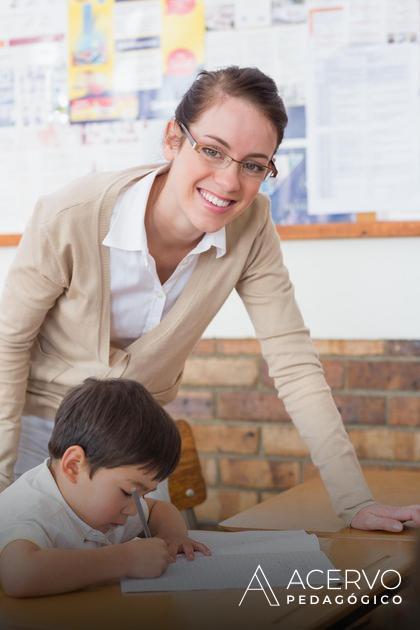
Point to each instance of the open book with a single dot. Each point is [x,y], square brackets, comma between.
[234,560]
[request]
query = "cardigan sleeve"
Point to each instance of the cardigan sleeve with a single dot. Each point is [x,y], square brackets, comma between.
[33,284]
[293,363]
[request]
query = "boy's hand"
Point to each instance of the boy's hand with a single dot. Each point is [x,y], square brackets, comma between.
[147,558]
[181,543]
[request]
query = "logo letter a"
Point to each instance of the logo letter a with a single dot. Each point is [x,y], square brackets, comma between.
[263,585]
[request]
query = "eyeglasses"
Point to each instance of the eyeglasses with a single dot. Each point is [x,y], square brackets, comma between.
[219,159]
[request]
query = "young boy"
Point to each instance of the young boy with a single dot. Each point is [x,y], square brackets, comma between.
[72,521]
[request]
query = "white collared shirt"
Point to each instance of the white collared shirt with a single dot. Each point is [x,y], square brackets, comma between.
[138,299]
[34,509]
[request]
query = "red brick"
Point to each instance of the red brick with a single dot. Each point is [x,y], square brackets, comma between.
[283,440]
[250,405]
[210,470]
[214,371]
[404,410]
[388,466]
[334,373]
[222,503]
[386,444]
[309,471]
[361,409]
[238,346]
[265,379]
[350,347]
[191,404]
[403,348]
[205,346]
[404,375]
[259,473]
[224,439]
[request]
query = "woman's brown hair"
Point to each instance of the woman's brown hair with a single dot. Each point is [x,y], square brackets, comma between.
[249,84]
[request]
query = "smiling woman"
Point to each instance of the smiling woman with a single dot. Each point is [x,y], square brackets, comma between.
[119,274]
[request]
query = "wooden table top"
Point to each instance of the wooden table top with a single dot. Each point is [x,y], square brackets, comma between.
[106,608]
[307,506]
[303,507]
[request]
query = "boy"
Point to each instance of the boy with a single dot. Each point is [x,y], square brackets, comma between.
[72,521]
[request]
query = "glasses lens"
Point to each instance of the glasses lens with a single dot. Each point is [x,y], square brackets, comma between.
[217,158]
[255,170]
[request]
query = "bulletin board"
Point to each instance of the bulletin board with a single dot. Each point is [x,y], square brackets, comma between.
[87,85]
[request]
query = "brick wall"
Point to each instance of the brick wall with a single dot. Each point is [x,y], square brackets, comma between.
[248,446]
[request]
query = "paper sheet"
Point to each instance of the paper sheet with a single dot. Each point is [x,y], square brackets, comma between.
[362,108]
[235,558]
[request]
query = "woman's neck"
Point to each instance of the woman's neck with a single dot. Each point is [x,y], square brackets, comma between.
[166,226]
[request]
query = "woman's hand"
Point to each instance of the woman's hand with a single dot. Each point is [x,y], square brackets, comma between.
[386,517]
[180,543]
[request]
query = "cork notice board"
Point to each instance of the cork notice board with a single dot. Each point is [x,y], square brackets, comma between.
[87,85]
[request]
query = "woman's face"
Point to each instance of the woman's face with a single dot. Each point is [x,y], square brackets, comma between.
[240,130]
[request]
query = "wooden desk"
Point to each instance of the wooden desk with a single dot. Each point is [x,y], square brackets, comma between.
[106,608]
[308,507]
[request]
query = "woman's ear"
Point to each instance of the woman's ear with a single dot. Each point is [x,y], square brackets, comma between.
[172,140]
[73,463]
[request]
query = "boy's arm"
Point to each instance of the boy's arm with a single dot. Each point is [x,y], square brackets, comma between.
[165,518]
[28,571]
[166,522]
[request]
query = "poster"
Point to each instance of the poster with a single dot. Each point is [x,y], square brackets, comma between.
[362,109]
[91,61]
[182,51]
[89,85]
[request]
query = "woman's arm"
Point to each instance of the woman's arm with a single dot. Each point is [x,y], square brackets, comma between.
[28,571]
[34,282]
[293,363]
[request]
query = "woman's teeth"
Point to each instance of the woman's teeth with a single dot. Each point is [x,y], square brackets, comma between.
[216,201]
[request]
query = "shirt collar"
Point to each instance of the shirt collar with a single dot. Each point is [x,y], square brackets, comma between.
[212,239]
[127,230]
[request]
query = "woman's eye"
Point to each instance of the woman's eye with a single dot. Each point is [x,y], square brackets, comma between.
[212,153]
[254,167]
[126,494]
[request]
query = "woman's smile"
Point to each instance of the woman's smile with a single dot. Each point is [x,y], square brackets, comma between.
[215,203]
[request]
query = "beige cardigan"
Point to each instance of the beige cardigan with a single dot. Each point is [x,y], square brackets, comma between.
[55,325]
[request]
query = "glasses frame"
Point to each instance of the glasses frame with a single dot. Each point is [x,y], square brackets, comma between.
[271,167]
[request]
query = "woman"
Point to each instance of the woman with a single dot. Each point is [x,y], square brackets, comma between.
[119,275]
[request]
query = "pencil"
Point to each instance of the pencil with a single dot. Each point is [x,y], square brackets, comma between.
[139,506]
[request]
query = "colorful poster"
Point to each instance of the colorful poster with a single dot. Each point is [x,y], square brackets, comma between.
[183,52]
[91,63]
[289,194]
[138,57]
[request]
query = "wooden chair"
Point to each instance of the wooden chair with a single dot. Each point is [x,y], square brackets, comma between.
[187,487]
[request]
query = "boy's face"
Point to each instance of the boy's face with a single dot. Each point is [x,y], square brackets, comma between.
[105,500]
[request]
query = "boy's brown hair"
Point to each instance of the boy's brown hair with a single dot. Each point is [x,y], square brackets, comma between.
[117,422]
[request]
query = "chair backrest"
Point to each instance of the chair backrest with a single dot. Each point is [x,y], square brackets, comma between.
[187,487]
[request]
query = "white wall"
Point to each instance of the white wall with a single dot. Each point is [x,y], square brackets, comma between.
[347,289]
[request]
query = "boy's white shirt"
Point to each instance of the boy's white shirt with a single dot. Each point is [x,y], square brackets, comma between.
[33,509]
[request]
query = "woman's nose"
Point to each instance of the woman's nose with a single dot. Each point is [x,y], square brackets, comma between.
[228,178]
